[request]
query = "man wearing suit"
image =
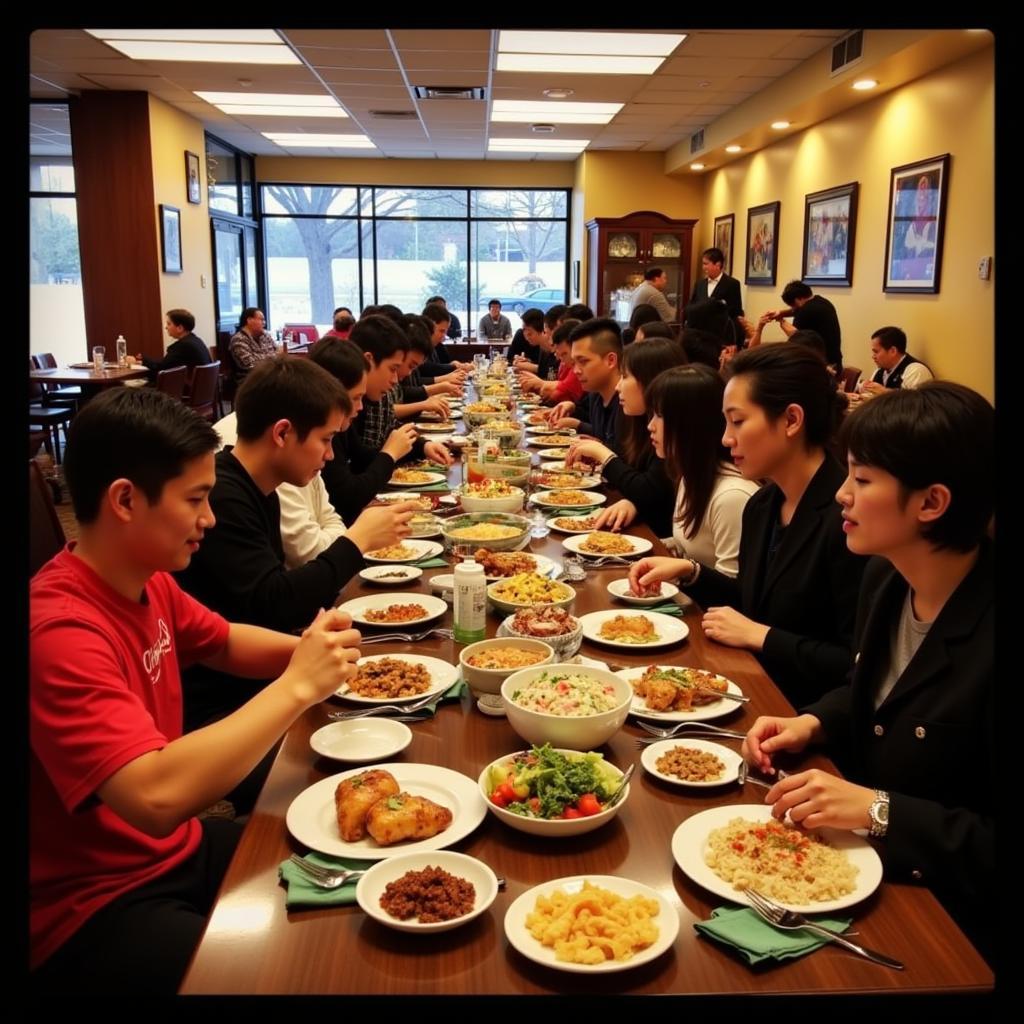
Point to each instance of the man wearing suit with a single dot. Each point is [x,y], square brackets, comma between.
[716,284]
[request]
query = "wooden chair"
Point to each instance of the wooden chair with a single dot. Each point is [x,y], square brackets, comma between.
[46,535]
[203,396]
[51,418]
[851,374]
[172,382]
[54,394]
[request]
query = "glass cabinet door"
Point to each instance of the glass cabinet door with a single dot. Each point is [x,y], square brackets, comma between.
[623,245]
[665,247]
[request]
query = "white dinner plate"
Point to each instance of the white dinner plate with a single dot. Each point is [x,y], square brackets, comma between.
[433,478]
[442,676]
[666,920]
[730,758]
[359,606]
[393,497]
[640,546]
[541,429]
[312,819]
[423,549]
[670,630]
[565,529]
[426,427]
[586,480]
[702,713]
[690,840]
[620,588]
[543,498]
[558,447]
[390,575]
[371,886]
[361,740]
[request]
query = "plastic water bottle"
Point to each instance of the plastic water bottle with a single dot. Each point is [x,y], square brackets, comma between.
[539,525]
[470,604]
[122,351]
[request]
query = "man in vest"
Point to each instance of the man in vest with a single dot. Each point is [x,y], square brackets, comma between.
[896,368]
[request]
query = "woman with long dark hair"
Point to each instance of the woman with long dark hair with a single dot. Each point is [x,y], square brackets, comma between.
[793,601]
[638,475]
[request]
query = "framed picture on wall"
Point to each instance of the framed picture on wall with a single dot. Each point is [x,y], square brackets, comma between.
[762,243]
[830,220]
[917,220]
[170,238]
[725,227]
[192,185]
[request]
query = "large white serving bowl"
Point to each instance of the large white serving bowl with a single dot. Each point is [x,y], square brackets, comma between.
[469,519]
[573,733]
[565,645]
[556,828]
[489,680]
[506,503]
[511,607]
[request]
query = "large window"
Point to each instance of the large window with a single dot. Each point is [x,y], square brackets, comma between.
[56,314]
[329,246]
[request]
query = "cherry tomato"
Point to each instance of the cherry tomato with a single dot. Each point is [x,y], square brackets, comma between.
[571,812]
[588,804]
[497,799]
[507,793]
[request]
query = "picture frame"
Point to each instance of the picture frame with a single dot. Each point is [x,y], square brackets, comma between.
[170,238]
[576,279]
[916,225]
[830,224]
[725,232]
[193,185]
[762,243]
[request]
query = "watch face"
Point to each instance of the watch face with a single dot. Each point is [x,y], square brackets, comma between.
[882,811]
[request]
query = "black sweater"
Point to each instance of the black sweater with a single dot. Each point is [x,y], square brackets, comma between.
[239,572]
[647,486]
[356,474]
[188,350]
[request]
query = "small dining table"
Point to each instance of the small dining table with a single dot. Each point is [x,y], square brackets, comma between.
[254,945]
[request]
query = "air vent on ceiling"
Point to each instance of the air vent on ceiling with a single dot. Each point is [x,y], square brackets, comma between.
[447,92]
[847,50]
[394,115]
[696,142]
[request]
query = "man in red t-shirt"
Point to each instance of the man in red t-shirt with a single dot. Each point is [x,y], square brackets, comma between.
[566,387]
[122,872]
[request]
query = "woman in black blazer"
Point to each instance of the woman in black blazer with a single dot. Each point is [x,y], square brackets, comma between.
[793,601]
[915,729]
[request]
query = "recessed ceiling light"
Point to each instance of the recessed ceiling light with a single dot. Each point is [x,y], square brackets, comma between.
[864,84]
[696,167]
[293,140]
[544,129]
[215,53]
[779,125]
[733,149]
[559,94]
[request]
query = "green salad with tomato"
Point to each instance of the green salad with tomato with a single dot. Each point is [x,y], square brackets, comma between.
[543,783]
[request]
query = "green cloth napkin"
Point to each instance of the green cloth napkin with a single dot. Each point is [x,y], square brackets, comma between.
[574,511]
[669,608]
[304,893]
[454,692]
[442,486]
[430,563]
[756,940]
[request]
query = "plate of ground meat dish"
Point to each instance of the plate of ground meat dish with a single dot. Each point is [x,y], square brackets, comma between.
[691,762]
[674,693]
[427,892]
[396,611]
[392,678]
[741,846]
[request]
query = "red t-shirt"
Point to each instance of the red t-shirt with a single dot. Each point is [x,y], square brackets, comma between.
[569,387]
[105,688]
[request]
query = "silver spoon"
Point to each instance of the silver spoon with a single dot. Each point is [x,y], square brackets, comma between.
[623,782]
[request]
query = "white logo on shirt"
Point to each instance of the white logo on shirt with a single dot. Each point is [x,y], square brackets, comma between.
[151,658]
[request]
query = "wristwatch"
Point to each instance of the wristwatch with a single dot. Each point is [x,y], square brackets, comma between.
[878,812]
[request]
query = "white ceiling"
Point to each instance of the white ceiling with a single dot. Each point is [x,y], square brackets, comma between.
[367,70]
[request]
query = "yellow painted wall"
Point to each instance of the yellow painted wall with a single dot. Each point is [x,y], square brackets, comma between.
[615,184]
[948,111]
[171,133]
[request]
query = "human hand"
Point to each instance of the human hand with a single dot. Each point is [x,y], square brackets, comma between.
[438,406]
[748,328]
[770,734]
[556,412]
[585,449]
[437,452]
[870,387]
[381,525]
[817,799]
[400,441]
[656,569]
[447,387]
[727,626]
[766,318]
[617,515]
[725,356]
[325,657]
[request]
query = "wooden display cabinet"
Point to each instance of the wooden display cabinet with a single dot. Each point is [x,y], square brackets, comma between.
[620,249]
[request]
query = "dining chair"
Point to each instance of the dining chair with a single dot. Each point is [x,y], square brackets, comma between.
[46,535]
[55,394]
[851,374]
[49,417]
[172,382]
[203,395]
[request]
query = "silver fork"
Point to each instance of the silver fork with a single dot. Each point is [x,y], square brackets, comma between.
[380,709]
[664,734]
[780,917]
[325,878]
[445,634]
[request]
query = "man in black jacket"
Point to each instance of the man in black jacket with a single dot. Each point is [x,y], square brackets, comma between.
[288,411]
[186,349]
[717,284]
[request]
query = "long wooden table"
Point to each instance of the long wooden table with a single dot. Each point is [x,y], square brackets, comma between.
[253,945]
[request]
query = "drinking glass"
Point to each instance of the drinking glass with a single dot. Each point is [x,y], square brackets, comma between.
[98,354]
